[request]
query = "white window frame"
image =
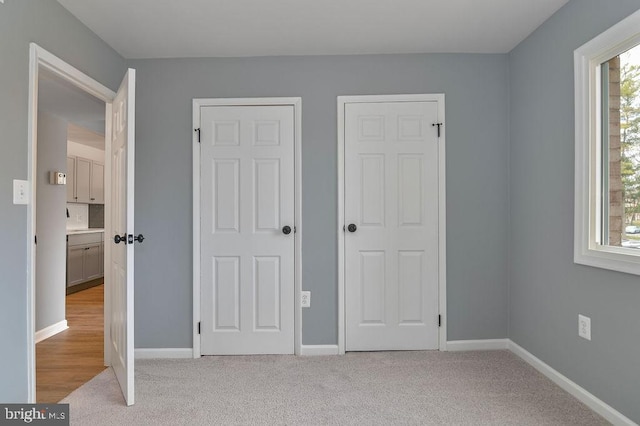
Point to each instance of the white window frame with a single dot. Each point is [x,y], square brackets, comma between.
[588,249]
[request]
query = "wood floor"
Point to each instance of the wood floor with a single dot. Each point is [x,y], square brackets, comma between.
[69,359]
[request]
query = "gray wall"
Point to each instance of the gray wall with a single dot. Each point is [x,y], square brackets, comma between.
[51,203]
[547,290]
[477,155]
[48,24]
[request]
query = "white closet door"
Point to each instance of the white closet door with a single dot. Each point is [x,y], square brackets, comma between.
[391,207]
[247,252]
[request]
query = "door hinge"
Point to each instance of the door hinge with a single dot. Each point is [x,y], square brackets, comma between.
[35,238]
[198,327]
[198,130]
[437,124]
[439,320]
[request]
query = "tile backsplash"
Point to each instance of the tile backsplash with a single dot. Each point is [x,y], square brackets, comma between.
[78,216]
[96,215]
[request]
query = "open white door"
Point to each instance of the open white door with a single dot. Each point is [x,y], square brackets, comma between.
[121,241]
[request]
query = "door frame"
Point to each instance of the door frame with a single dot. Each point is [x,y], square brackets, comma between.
[40,58]
[442,217]
[296,102]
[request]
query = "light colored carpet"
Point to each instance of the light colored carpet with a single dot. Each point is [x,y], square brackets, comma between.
[379,388]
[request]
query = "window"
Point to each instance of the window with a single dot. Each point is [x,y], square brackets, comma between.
[607,180]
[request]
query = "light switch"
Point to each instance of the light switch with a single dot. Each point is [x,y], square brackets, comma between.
[20,191]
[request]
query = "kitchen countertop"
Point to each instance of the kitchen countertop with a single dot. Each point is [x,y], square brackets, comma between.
[83,231]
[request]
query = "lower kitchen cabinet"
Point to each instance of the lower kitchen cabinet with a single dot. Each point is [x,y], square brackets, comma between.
[85,258]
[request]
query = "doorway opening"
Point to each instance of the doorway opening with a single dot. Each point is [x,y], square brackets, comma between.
[49,74]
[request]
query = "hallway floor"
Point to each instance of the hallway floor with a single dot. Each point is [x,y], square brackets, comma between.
[69,359]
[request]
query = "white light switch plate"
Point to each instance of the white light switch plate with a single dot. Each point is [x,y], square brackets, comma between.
[20,191]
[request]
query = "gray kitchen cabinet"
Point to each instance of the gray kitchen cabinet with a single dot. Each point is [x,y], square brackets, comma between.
[85,181]
[71,180]
[85,257]
[75,265]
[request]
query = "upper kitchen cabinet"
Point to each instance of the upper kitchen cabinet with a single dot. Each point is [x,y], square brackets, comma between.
[71,179]
[85,162]
[97,183]
[85,180]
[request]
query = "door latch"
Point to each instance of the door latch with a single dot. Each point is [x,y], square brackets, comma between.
[139,238]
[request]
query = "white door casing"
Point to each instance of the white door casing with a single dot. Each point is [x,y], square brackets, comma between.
[391,266]
[121,265]
[247,196]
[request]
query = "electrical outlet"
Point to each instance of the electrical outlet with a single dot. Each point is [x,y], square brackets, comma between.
[584,327]
[306,299]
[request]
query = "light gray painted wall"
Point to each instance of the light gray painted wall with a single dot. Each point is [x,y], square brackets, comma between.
[477,157]
[51,222]
[547,290]
[48,24]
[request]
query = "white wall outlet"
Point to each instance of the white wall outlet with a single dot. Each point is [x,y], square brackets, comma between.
[584,327]
[20,191]
[305,299]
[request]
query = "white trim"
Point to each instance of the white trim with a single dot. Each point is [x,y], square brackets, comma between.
[50,331]
[477,345]
[591,401]
[588,249]
[196,228]
[316,350]
[442,205]
[41,59]
[296,102]
[163,353]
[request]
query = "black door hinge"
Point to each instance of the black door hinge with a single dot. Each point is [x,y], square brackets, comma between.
[36,239]
[198,328]
[198,130]
[437,124]
[439,320]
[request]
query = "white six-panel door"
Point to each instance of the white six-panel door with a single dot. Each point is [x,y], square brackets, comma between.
[121,268]
[247,257]
[391,251]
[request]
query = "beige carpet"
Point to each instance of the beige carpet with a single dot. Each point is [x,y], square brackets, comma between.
[383,388]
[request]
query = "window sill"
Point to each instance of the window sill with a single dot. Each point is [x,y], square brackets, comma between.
[619,259]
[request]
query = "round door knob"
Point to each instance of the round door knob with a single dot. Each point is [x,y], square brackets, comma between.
[118,239]
[286,230]
[352,227]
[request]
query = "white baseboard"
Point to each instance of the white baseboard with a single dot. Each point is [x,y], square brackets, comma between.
[596,404]
[52,330]
[477,345]
[310,350]
[163,353]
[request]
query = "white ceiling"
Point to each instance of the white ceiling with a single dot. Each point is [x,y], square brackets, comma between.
[61,98]
[219,28]
[85,136]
